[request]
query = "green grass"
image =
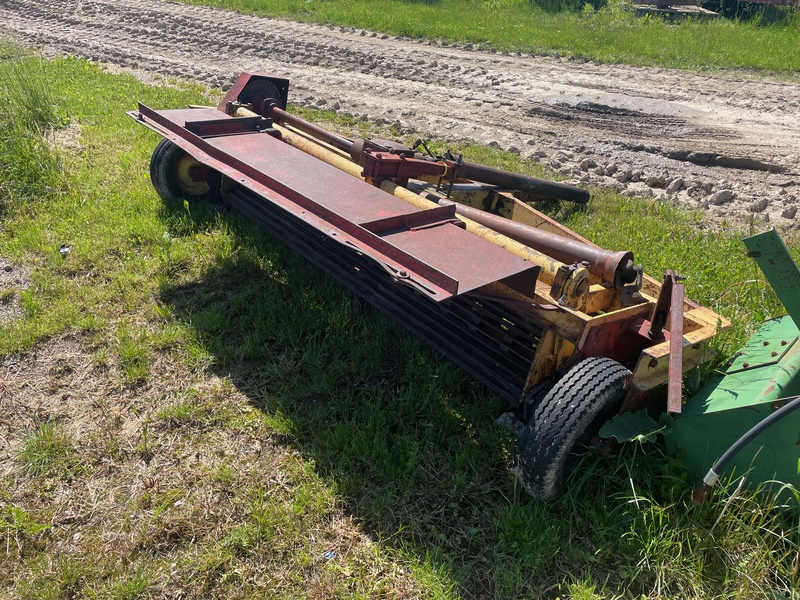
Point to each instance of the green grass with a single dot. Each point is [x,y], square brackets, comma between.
[48,451]
[128,586]
[65,578]
[28,166]
[611,34]
[133,356]
[249,428]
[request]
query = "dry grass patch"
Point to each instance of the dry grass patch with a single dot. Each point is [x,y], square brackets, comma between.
[178,488]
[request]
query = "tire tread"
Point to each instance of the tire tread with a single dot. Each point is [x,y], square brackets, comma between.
[562,418]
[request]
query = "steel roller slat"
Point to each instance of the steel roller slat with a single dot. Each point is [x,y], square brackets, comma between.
[463,328]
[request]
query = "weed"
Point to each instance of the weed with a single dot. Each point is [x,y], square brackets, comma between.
[194,411]
[64,578]
[129,586]
[224,475]
[63,368]
[100,358]
[18,526]
[180,413]
[143,447]
[48,451]
[133,354]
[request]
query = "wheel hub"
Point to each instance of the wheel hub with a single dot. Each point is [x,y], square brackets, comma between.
[192,176]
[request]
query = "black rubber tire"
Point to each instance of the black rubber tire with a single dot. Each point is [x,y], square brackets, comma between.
[570,414]
[168,166]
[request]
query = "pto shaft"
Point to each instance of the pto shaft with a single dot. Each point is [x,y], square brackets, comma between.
[615,268]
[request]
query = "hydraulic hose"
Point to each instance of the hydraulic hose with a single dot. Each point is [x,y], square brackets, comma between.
[703,489]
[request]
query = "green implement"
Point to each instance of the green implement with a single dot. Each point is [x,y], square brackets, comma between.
[762,377]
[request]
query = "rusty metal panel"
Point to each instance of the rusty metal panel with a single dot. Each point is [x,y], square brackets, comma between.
[344,206]
[317,186]
[489,340]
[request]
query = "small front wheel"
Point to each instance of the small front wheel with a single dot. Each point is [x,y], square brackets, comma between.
[569,415]
[178,176]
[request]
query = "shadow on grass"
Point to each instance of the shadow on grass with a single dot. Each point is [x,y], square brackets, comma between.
[407,439]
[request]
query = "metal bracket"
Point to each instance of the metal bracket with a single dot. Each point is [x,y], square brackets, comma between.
[630,293]
[570,285]
[675,381]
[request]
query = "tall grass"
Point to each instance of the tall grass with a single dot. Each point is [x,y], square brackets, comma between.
[603,31]
[29,166]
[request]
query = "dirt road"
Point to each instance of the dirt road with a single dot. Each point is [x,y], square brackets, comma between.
[727,145]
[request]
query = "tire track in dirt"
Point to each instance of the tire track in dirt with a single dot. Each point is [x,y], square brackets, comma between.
[678,136]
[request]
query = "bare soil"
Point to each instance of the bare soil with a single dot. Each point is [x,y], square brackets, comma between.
[722,143]
[14,279]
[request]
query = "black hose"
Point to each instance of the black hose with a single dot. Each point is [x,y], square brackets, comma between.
[523,183]
[703,489]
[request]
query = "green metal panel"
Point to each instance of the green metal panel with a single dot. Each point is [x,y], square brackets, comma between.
[731,403]
[775,339]
[772,456]
[773,258]
[754,376]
